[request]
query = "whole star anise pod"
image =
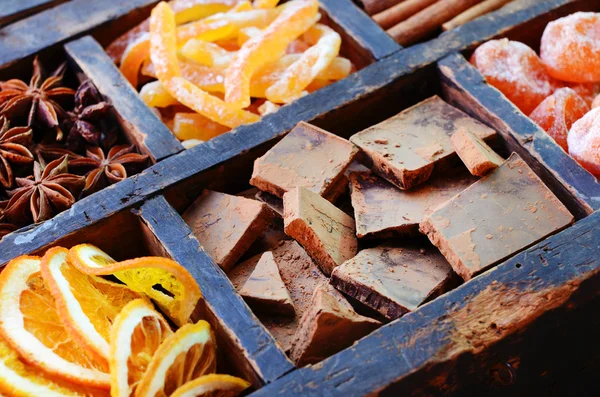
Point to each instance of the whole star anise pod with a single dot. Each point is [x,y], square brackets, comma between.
[13,150]
[103,170]
[39,101]
[43,194]
[83,123]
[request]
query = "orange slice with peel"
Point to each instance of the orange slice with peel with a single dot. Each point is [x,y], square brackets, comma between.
[86,304]
[163,280]
[295,18]
[134,56]
[212,385]
[186,355]
[137,333]
[21,380]
[30,324]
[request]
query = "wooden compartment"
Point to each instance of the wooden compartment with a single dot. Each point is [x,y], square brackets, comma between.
[488,336]
[154,228]
[17,10]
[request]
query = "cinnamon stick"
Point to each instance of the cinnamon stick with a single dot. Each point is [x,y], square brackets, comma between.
[474,12]
[392,16]
[428,20]
[374,6]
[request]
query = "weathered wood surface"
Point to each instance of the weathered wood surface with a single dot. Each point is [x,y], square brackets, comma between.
[246,335]
[57,25]
[465,86]
[360,28]
[447,340]
[141,125]
[13,10]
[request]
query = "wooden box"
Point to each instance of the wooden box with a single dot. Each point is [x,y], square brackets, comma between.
[514,329]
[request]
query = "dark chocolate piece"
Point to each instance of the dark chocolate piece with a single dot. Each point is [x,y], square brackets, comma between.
[404,148]
[394,280]
[226,225]
[503,213]
[325,231]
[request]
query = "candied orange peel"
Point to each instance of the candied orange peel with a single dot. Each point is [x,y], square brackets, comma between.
[228,61]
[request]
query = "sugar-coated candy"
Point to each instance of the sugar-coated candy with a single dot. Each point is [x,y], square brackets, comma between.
[516,70]
[570,48]
[596,102]
[584,141]
[557,113]
[587,91]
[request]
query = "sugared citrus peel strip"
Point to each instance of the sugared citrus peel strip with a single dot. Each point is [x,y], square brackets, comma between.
[184,356]
[136,334]
[142,275]
[209,385]
[312,62]
[39,306]
[134,56]
[87,304]
[163,53]
[295,19]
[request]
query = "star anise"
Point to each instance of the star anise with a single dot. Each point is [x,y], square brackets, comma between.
[103,170]
[5,227]
[83,123]
[13,150]
[39,101]
[45,193]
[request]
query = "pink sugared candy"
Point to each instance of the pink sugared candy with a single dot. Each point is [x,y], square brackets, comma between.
[570,48]
[557,113]
[584,141]
[516,70]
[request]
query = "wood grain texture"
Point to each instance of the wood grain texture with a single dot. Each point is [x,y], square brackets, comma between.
[360,28]
[143,127]
[11,11]
[465,86]
[243,328]
[57,25]
[447,339]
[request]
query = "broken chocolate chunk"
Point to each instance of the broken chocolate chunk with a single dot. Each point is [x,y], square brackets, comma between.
[307,157]
[394,280]
[505,212]
[416,139]
[264,290]
[329,326]
[382,211]
[226,225]
[301,277]
[326,232]
[477,156]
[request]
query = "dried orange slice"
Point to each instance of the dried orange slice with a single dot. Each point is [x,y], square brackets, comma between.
[137,333]
[186,355]
[212,385]
[20,380]
[296,18]
[134,56]
[312,62]
[86,304]
[195,126]
[165,281]
[30,324]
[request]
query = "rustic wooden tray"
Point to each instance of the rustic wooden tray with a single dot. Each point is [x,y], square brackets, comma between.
[469,337]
